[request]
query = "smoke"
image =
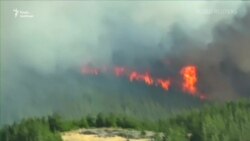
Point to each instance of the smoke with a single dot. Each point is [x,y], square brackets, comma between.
[66,35]
[224,61]
[40,55]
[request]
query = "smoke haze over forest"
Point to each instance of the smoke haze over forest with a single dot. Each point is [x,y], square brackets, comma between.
[42,57]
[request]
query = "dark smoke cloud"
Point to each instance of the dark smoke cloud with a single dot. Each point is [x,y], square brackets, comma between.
[229,53]
[224,62]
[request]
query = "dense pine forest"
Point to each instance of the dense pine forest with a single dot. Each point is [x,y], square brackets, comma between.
[218,122]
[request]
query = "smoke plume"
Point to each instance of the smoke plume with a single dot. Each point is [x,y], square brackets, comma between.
[42,57]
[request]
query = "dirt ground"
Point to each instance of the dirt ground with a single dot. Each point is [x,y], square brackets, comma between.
[76,136]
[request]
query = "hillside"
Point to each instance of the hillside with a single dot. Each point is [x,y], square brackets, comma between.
[73,95]
[219,122]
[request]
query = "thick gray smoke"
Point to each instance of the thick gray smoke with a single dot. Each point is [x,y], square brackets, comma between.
[41,56]
[224,61]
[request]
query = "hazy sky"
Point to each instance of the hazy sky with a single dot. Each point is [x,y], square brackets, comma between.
[64,34]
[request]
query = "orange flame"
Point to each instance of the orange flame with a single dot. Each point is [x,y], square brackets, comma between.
[190,79]
[188,73]
[165,84]
[141,77]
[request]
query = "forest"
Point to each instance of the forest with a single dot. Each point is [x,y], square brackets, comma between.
[218,122]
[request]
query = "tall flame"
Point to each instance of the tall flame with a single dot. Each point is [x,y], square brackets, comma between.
[190,79]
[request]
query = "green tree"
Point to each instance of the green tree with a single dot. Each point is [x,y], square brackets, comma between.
[91,121]
[111,120]
[177,134]
[100,120]
[83,123]
[55,122]
[29,130]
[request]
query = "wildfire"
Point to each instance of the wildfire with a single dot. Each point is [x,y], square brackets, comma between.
[165,84]
[141,77]
[119,71]
[189,74]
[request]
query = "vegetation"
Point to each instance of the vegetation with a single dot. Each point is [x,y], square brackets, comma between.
[29,130]
[228,122]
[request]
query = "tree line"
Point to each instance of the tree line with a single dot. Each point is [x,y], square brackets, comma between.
[227,122]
